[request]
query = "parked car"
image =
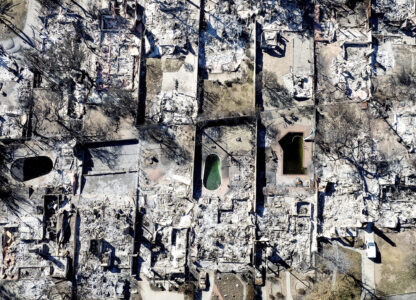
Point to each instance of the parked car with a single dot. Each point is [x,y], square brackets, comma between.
[371,249]
[203,280]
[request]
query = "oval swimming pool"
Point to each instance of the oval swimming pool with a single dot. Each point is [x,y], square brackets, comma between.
[28,168]
[212,172]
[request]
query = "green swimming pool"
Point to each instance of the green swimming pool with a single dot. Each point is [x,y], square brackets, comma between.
[212,172]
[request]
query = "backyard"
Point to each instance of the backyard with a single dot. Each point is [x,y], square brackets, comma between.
[396,272]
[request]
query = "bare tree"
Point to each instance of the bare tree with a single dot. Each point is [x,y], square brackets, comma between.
[61,67]
[59,63]
[7,19]
[340,131]
[50,4]
[119,103]
[160,134]
[52,113]
[344,135]
[6,8]
[278,95]
[10,191]
[335,262]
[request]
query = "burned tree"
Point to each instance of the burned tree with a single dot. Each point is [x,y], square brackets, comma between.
[335,262]
[345,134]
[10,191]
[60,106]
[52,112]
[396,88]
[50,4]
[59,63]
[6,8]
[167,141]
[340,132]
[278,95]
[119,103]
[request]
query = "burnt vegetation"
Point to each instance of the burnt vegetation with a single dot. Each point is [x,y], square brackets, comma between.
[278,95]
[58,64]
[50,4]
[6,8]
[168,142]
[337,138]
[10,191]
[118,103]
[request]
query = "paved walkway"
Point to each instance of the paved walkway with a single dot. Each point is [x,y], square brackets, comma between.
[367,267]
[207,295]
[410,296]
[288,289]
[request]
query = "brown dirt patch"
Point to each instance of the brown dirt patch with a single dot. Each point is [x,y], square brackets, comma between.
[230,98]
[396,274]
[173,65]
[229,286]
[153,77]
[348,275]
[17,18]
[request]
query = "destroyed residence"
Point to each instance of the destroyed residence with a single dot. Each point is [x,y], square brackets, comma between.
[207,149]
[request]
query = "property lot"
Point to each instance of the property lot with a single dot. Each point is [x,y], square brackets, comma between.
[396,272]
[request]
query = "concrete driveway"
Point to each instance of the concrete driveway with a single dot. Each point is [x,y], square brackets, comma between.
[367,268]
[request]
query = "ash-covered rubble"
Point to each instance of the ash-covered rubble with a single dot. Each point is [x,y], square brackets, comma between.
[15,96]
[106,225]
[70,23]
[350,191]
[38,222]
[224,224]
[175,141]
[118,53]
[285,230]
[226,38]
[106,247]
[173,100]
[292,83]
[35,248]
[287,204]
[346,205]
[342,20]
[171,27]
[396,189]
[165,200]
[344,60]
[286,16]
[95,55]
[286,41]
[171,39]
[395,15]
[359,178]
[226,53]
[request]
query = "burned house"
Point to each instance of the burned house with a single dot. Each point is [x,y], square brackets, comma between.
[212,149]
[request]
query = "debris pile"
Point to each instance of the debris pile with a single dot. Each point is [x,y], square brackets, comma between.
[178,139]
[171,28]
